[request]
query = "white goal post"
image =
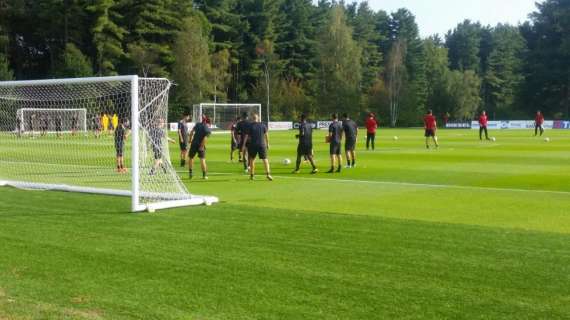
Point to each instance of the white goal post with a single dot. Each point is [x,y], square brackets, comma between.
[89,163]
[222,115]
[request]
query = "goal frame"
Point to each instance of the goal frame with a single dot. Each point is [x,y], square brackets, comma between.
[201,106]
[25,130]
[135,192]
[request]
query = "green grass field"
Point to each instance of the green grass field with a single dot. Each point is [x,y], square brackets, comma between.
[470,231]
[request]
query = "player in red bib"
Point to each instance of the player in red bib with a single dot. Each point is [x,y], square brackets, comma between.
[430,126]
[483,121]
[371,127]
[538,123]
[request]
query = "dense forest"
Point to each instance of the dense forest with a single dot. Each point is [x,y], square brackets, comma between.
[314,57]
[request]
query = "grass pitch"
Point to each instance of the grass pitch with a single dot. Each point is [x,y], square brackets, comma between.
[473,230]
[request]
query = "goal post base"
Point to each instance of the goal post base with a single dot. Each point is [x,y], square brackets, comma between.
[183,201]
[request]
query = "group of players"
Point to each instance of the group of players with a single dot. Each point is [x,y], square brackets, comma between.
[42,124]
[430,126]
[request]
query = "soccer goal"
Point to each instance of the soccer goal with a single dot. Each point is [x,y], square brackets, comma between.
[223,114]
[87,163]
[51,120]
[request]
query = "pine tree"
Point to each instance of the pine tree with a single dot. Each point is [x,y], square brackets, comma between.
[73,64]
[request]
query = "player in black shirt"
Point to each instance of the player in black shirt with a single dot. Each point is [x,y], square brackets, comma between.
[335,139]
[350,129]
[183,139]
[74,122]
[241,129]
[257,143]
[156,134]
[199,137]
[234,140]
[44,125]
[19,126]
[121,134]
[58,126]
[305,147]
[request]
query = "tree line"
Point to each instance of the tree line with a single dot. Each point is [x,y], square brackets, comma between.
[315,58]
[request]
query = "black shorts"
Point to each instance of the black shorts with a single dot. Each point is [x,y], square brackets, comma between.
[119,149]
[254,151]
[335,149]
[157,152]
[195,150]
[350,145]
[183,146]
[305,149]
[430,133]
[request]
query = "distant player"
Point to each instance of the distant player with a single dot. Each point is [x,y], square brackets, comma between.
[58,126]
[539,123]
[105,122]
[44,125]
[157,134]
[257,142]
[483,121]
[234,137]
[183,138]
[241,130]
[334,139]
[371,128]
[74,124]
[121,134]
[115,121]
[96,125]
[430,126]
[18,126]
[305,147]
[198,137]
[350,129]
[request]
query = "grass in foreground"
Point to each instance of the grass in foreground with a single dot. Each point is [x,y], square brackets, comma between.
[374,242]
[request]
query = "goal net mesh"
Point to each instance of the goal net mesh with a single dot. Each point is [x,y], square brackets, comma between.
[38,147]
[222,115]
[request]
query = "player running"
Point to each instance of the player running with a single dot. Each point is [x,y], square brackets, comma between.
[539,123]
[121,134]
[483,121]
[199,137]
[350,129]
[257,142]
[234,143]
[371,127]
[183,138]
[334,139]
[430,126]
[305,147]
[241,129]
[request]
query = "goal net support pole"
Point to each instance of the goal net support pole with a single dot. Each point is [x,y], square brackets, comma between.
[144,101]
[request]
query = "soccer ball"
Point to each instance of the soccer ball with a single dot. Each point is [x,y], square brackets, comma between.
[546,139]
[493,139]
[396,138]
[286,162]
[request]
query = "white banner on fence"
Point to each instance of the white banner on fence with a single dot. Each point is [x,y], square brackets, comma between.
[323,124]
[173,126]
[280,126]
[512,125]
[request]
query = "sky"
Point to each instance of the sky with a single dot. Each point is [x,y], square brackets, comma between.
[439,16]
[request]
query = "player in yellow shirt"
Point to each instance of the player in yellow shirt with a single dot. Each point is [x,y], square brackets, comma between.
[115,121]
[105,122]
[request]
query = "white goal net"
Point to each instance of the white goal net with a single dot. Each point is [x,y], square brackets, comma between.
[127,118]
[222,115]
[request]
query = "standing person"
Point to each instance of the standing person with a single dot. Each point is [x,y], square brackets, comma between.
[334,139]
[371,127]
[183,138]
[257,142]
[234,143]
[105,122]
[539,123]
[121,134]
[96,125]
[157,134]
[74,126]
[58,126]
[199,137]
[350,129]
[241,129]
[430,126]
[305,147]
[18,126]
[483,121]
[44,125]
[115,121]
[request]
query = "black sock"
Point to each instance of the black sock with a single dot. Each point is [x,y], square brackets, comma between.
[190,171]
[203,174]
[353,162]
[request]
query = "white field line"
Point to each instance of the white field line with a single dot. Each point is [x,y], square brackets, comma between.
[418,185]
